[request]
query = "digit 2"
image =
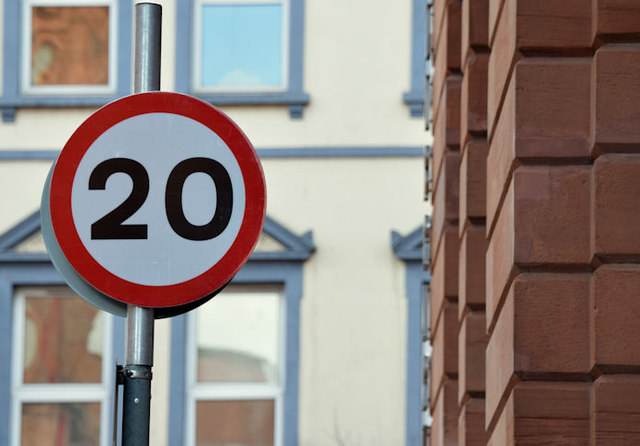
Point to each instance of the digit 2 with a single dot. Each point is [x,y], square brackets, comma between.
[111,227]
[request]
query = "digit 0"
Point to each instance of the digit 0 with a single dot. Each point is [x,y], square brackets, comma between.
[173,199]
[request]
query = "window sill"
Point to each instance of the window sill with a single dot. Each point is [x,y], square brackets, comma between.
[9,106]
[415,101]
[295,101]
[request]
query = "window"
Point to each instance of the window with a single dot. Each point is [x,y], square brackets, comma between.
[240,47]
[66,48]
[234,360]
[234,52]
[58,352]
[61,369]
[411,249]
[235,374]
[65,53]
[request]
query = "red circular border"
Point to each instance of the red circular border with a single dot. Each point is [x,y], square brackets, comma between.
[149,295]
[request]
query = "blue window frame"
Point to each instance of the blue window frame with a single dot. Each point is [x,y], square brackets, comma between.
[415,97]
[279,268]
[22,61]
[411,249]
[242,52]
[23,271]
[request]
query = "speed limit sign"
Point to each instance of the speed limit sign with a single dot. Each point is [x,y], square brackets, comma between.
[157,200]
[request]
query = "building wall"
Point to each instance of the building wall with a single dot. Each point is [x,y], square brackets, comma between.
[534,253]
[349,171]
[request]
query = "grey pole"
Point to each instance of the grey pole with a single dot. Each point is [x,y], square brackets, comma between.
[136,406]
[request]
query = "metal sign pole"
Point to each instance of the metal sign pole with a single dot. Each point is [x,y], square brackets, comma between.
[136,409]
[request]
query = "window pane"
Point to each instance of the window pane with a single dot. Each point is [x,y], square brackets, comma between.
[237,338]
[242,45]
[69,424]
[70,45]
[63,340]
[234,423]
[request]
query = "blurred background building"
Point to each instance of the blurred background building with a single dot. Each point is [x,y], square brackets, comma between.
[319,339]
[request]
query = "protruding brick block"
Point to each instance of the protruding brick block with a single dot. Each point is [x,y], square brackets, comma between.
[471,284]
[538,413]
[495,8]
[472,345]
[545,117]
[616,114]
[503,58]
[542,330]
[447,54]
[444,356]
[446,198]
[473,182]
[444,275]
[447,32]
[544,220]
[533,26]
[615,333]
[447,127]
[475,27]
[615,405]
[454,88]
[471,430]
[616,208]
[557,25]
[500,261]
[552,206]
[473,120]
[439,8]
[444,428]
[616,20]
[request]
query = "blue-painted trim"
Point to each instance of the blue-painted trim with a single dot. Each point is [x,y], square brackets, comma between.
[294,97]
[29,155]
[288,274]
[12,99]
[6,324]
[415,278]
[23,257]
[20,232]
[409,249]
[286,98]
[301,244]
[184,47]
[177,383]
[414,98]
[343,152]
[21,274]
[290,152]
[11,57]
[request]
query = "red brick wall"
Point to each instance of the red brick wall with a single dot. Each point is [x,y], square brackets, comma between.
[535,245]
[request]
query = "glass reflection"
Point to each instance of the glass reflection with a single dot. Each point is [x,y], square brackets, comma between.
[237,338]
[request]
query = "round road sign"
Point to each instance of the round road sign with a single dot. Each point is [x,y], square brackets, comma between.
[157,200]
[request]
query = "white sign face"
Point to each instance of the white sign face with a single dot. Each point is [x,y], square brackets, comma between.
[157,200]
[162,257]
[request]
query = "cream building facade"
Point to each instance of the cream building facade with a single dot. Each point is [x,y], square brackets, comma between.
[330,301]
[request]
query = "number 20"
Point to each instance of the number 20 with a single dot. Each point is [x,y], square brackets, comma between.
[112,227]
